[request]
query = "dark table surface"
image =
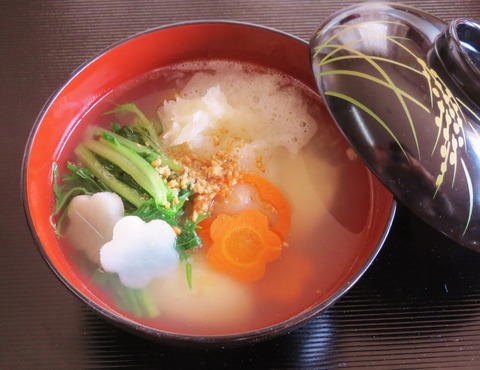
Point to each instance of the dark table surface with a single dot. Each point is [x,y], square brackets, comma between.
[418,306]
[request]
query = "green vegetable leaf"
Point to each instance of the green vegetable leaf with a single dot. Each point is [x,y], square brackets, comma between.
[189,238]
[132,163]
[102,173]
[141,124]
[121,160]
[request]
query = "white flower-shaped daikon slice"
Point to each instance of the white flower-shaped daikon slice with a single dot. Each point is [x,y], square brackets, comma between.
[140,251]
[91,220]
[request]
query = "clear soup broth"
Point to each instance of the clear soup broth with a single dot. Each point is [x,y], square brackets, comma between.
[282,133]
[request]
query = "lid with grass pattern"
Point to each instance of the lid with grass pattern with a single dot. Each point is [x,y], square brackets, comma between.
[404,88]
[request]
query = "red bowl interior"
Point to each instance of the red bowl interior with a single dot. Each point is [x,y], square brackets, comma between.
[134,57]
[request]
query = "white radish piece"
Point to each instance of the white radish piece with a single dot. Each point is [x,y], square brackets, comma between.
[140,251]
[91,220]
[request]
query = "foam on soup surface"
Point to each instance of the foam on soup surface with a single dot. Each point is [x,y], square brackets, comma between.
[264,171]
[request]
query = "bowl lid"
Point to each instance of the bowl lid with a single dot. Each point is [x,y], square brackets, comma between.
[404,88]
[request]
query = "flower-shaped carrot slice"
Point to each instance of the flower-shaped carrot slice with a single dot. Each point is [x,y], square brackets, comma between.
[242,245]
[270,194]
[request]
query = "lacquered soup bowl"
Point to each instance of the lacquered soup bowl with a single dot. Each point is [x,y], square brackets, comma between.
[98,78]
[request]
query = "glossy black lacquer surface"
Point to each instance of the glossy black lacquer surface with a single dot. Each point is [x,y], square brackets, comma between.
[417,307]
[404,88]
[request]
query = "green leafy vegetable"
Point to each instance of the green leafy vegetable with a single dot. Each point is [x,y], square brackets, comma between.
[134,142]
[123,160]
[141,125]
[103,176]
[131,163]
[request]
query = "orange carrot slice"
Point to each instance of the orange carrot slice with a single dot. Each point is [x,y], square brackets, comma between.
[270,194]
[242,245]
[203,231]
